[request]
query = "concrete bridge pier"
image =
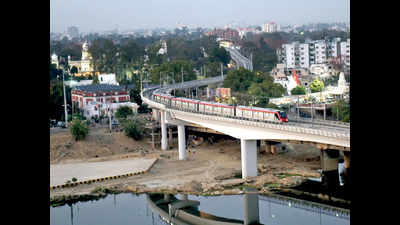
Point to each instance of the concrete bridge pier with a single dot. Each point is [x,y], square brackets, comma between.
[329,166]
[249,158]
[208,91]
[156,114]
[346,171]
[164,139]
[182,142]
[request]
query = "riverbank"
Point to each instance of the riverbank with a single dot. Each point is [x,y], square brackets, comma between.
[209,169]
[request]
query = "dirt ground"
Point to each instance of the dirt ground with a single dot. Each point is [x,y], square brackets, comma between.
[205,164]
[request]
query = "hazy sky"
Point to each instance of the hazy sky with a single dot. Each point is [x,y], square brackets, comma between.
[97,15]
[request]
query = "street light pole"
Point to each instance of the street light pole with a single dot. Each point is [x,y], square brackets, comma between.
[65,103]
[182,74]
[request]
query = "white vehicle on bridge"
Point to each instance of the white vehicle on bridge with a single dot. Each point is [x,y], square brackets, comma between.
[185,104]
[216,108]
[261,114]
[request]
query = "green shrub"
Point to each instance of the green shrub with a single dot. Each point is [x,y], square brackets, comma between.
[123,112]
[133,128]
[79,129]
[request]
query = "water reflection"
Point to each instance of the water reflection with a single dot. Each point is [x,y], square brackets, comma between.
[236,209]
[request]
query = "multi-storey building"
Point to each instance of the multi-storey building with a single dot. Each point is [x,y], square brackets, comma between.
[270,27]
[303,55]
[345,53]
[229,34]
[320,52]
[103,93]
[295,55]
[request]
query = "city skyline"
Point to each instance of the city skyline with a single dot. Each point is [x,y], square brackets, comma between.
[126,15]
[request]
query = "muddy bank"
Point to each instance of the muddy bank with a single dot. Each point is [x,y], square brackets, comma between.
[210,169]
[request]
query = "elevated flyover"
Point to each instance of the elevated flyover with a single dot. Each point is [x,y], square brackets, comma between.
[328,135]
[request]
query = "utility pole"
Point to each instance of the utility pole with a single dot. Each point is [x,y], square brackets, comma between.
[182,74]
[109,116]
[222,71]
[141,83]
[160,78]
[65,103]
[298,110]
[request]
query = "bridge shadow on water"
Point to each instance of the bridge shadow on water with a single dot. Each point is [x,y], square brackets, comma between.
[324,192]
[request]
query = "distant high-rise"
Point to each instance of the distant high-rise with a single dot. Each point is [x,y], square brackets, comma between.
[270,27]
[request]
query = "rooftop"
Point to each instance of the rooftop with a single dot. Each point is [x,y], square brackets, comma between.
[100,88]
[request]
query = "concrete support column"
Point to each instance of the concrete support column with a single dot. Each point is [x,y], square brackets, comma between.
[156,114]
[251,209]
[208,92]
[182,142]
[170,138]
[166,197]
[164,140]
[329,166]
[249,158]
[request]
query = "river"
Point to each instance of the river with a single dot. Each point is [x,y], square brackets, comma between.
[127,208]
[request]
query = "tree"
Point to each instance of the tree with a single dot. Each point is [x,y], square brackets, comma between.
[103,53]
[135,96]
[133,128]
[172,71]
[96,79]
[74,70]
[123,112]
[341,110]
[79,129]
[299,90]
[219,54]
[54,72]
[317,86]
[239,80]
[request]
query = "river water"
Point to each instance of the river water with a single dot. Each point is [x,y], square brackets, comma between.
[126,208]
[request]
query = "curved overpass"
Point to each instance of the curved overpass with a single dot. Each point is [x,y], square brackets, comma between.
[329,136]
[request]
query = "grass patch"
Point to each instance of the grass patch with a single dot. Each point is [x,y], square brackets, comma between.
[242,187]
[272,185]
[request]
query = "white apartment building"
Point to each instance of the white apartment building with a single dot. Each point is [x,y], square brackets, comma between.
[108,79]
[296,55]
[270,27]
[334,48]
[289,55]
[320,52]
[345,52]
[304,55]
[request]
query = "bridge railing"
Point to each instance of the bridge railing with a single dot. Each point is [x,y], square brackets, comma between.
[264,124]
[309,206]
[320,122]
[147,98]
